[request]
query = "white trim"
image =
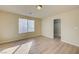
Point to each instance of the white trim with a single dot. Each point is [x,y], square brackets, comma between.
[48,36]
[72,43]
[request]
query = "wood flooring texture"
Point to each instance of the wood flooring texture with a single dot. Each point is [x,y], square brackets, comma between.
[38,45]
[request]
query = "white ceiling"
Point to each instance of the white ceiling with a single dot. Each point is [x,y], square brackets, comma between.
[30,10]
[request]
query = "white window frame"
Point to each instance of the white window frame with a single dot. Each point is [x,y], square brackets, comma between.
[27,26]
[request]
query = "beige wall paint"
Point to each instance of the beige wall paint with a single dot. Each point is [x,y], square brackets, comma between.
[47,27]
[69,26]
[9,27]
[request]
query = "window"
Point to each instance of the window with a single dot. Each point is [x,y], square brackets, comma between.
[22,25]
[26,25]
[30,25]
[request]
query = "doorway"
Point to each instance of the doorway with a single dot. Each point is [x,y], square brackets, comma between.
[57,28]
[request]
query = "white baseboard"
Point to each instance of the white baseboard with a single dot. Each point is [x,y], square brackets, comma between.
[47,36]
[16,39]
[72,43]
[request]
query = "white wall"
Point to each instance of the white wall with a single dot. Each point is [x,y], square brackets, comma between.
[69,26]
[47,27]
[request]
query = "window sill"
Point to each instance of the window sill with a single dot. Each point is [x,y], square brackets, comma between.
[26,32]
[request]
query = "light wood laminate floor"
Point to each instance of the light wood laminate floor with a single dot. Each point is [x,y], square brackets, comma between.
[38,45]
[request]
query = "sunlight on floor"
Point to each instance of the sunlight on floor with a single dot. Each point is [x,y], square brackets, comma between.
[24,49]
[9,50]
[19,49]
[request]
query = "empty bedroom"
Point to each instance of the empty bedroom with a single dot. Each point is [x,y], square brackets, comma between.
[39,29]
